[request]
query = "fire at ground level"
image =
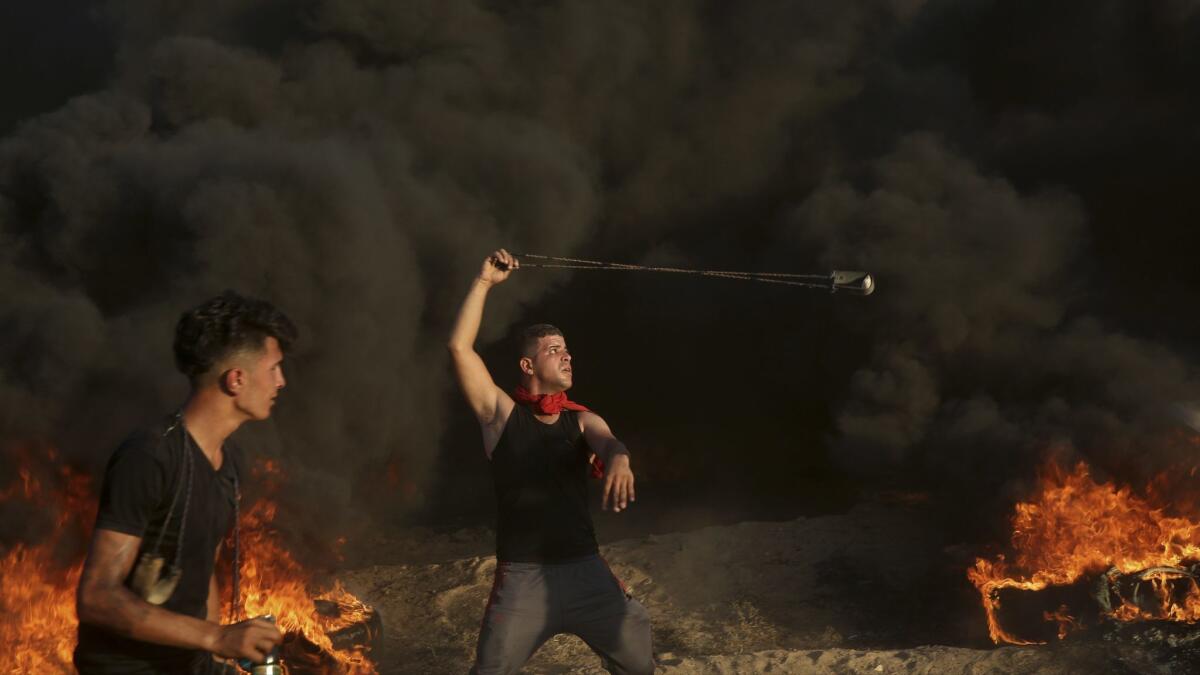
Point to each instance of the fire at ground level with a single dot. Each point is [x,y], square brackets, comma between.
[875,590]
[327,630]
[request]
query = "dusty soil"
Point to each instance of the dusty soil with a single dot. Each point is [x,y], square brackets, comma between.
[871,591]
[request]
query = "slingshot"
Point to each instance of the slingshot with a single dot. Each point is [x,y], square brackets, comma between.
[846,281]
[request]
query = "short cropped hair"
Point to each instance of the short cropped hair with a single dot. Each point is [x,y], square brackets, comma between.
[529,337]
[225,325]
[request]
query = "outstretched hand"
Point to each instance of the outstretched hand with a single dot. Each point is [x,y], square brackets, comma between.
[497,267]
[618,484]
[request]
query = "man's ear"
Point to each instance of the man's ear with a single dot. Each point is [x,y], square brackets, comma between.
[232,381]
[526,365]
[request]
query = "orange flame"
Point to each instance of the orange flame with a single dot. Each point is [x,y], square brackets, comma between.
[274,583]
[37,590]
[1066,622]
[38,605]
[1076,527]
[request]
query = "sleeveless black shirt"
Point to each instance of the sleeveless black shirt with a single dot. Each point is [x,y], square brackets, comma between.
[540,473]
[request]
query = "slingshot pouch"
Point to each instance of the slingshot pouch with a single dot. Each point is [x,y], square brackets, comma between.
[152,579]
[149,580]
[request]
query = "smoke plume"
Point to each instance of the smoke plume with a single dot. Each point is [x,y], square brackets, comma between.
[353,161]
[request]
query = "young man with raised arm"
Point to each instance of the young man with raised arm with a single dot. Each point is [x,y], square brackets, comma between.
[550,578]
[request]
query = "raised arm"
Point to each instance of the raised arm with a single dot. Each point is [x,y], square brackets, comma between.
[490,404]
[103,600]
[618,476]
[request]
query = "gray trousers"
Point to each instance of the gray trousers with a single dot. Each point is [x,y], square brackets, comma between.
[533,602]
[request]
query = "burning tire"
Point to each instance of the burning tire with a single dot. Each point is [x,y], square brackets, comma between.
[358,631]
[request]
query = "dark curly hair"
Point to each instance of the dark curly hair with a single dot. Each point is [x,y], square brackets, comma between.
[224,325]
[527,342]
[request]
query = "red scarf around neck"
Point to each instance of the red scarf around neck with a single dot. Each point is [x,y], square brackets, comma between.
[552,404]
[546,404]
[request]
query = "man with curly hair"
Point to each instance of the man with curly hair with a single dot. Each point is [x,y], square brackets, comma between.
[148,599]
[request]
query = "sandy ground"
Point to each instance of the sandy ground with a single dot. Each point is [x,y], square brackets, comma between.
[870,591]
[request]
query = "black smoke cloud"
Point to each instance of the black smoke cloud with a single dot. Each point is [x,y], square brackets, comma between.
[353,161]
[204,169]
[987,365]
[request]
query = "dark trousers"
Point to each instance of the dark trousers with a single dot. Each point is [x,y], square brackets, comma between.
[533,602]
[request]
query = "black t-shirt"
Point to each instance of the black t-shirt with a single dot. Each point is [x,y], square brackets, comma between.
[140,482]
[540,474]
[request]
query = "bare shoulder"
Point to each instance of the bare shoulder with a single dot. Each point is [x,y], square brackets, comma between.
[494,428]
[589,420]
[504,408]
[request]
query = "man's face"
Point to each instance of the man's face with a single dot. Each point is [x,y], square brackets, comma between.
[262,378]
[551,364]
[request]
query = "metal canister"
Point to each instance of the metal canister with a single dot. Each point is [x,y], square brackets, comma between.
[271,665]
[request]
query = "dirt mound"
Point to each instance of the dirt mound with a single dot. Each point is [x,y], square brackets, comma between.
[854,593]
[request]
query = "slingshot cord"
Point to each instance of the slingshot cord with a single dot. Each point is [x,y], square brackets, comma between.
[556,262]
[187,498]
[186,477]
[183,475]
[235,592]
